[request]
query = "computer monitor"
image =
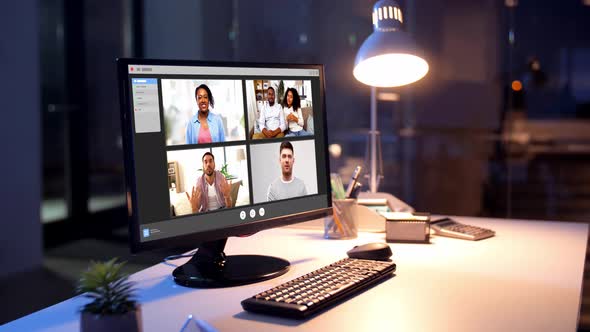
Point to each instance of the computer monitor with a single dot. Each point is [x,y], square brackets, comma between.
[214,150]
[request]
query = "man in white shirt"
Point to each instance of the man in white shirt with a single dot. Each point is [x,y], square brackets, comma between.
[272,119]
[286,185]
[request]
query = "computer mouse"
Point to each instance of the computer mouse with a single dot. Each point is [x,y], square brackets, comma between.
[377,251]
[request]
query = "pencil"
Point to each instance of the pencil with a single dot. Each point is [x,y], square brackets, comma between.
[338,222]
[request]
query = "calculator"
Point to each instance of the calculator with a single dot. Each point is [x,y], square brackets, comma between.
[451,228]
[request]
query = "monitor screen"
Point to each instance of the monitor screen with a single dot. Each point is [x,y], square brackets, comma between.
[214,150]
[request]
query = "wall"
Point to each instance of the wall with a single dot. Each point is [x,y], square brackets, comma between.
[173,29]
[20,170]
[462,42]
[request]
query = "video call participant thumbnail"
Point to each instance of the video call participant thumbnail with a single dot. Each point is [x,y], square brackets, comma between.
[212,190]
[272,119]
[267,168]
[293,115]
[286,185]
[205,126]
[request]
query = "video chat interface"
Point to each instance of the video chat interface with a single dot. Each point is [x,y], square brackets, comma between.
[258,149]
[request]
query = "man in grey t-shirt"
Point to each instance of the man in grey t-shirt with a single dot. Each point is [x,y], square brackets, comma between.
[287,185]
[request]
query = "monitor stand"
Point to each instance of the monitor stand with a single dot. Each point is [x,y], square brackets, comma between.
[210,268]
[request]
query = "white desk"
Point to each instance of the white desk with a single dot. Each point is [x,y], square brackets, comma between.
[526,278]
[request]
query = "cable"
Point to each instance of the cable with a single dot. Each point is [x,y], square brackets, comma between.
[174,257]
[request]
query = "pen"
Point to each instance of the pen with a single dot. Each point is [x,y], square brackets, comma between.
[353,181]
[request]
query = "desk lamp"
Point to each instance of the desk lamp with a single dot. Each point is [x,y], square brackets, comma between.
[387,58]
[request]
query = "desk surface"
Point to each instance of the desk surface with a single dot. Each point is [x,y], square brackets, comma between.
[526,278]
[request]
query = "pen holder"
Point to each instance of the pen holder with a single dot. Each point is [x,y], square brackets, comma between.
[342,224]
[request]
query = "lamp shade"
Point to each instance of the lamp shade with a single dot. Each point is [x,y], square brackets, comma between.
[389,56]
[240,155]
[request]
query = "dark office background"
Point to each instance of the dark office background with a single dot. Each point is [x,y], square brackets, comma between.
[500,126]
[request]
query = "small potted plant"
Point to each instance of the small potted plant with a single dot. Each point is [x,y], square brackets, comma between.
[113,307]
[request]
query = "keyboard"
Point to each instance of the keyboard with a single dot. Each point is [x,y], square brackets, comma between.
[310,293]
[452,228]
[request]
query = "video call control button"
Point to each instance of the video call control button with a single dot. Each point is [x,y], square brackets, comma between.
[261,212]
[252,213]
[242,215]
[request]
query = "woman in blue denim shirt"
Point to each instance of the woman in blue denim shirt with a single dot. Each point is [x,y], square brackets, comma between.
[205,126]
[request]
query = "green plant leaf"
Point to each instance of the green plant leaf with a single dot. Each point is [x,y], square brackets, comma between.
[108,287]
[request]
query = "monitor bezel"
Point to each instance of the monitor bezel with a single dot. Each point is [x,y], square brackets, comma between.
[196,238]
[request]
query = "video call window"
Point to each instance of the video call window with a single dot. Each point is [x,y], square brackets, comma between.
[279,108]
[221,100]
[283,170]
[215,177]
[190,191]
